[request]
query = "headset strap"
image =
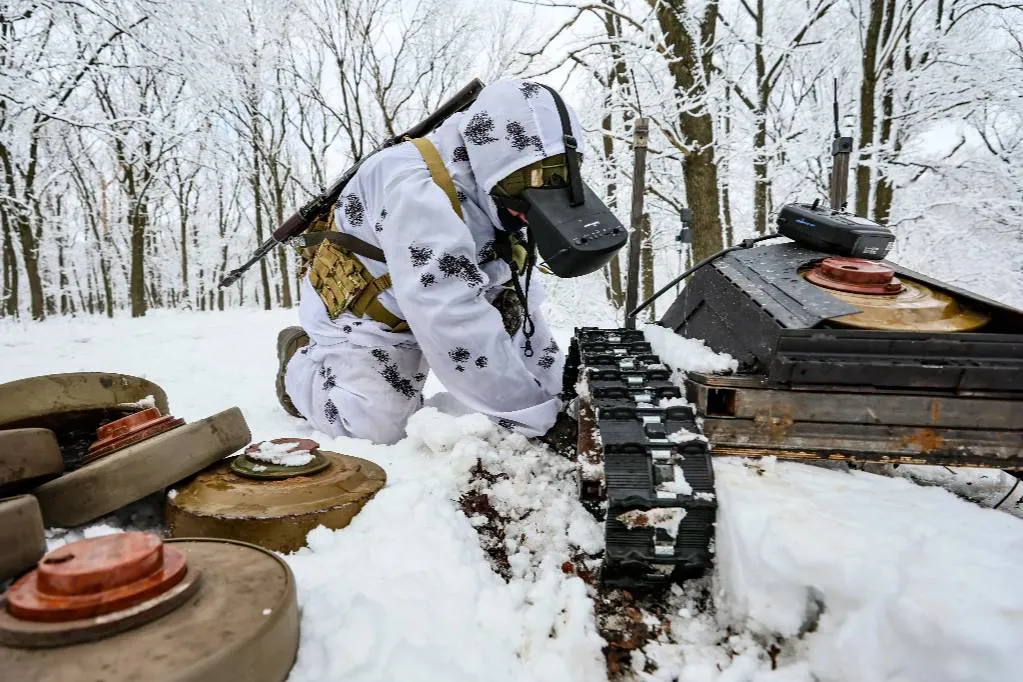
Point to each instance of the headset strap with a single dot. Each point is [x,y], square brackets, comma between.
[575,180]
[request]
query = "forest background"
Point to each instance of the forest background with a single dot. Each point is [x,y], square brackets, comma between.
[148,146]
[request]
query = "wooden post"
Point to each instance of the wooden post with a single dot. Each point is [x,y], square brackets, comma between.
[635,225]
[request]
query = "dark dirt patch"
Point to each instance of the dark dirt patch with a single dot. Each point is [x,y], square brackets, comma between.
[492,534]
[625,620]
[625,623]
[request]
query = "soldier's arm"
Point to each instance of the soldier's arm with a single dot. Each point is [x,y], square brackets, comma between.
[431,257]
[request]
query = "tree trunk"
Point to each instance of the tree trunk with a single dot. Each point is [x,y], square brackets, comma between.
[137,219]
[613,274]
[30,257]
[701,175]
[257,205]
[23,224]
[723,168]
[222,231]
[884,192]
[646,260]
[183,211]
[868,93]
[10,263]
[761,182]
[283,253]
[62,279]
[617,77]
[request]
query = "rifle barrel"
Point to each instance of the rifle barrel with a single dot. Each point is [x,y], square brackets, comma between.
[233,276]
[299,221]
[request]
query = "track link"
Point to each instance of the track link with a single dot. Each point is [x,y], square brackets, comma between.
[642,452]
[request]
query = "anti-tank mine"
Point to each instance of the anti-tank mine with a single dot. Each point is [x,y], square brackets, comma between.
[125,606]
[273,494]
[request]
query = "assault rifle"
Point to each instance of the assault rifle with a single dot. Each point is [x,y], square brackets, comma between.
[300,221]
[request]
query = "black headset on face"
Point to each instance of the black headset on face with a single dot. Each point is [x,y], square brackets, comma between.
[573,230]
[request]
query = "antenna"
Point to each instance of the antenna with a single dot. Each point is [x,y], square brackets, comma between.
[841,148]
[834,108]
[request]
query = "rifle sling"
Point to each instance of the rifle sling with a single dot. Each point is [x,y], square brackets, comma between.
[345,241]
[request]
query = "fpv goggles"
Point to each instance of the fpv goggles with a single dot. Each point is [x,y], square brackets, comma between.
[574,231]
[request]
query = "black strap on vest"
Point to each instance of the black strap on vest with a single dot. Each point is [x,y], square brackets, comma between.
[575,180]
[345,241]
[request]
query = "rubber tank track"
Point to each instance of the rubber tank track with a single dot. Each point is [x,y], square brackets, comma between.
[625,383]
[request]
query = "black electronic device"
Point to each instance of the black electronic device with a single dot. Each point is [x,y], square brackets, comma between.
[573,240]
[573,230]
[834,232]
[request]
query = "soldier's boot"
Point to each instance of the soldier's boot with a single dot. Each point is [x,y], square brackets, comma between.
[289,340]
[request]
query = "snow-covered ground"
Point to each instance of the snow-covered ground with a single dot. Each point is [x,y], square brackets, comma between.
[821,574]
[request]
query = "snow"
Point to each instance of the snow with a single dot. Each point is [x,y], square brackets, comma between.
[686,355]
[887,579]
[684,435]
[145,403]
[678,485]
[665,519]
[281,454]
[822,575]
[400,595]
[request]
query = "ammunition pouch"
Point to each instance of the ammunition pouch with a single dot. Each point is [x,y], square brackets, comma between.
[512,313]
[322,223]
[344,283]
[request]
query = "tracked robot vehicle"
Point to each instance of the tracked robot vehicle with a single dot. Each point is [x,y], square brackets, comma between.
[841,356]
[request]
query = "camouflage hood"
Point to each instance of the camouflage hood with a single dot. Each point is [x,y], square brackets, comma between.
[511,124]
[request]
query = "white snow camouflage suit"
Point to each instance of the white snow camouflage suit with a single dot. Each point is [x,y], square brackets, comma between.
[357,378]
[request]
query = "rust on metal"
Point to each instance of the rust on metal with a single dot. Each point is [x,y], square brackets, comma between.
[130,430]
[981,447]
[925,440]
[775,428]
[98,576]
[590,453]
